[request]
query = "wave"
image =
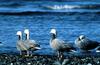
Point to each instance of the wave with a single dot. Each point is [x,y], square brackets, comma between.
[59,7]
[28,8]
[50,9]
[49,0]
[42,7]
[12,4]
[46,12]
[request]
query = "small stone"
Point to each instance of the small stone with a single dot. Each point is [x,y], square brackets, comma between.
[5,57]
[98,62]
[83,59]
[57,63]
[66,61]
[89,64]
[11,64]
[29,63]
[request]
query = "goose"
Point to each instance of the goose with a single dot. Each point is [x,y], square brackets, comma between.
[86,44]
[31,44]
[59,45]
[20,43]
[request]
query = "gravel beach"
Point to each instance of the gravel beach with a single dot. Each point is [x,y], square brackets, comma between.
[16,59]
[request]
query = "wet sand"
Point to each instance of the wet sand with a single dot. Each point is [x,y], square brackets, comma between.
[16,59]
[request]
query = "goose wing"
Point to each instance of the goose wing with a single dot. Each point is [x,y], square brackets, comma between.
[56,44]
[68,46]
[20,46]
[32,44]
[61,45]
[90,44]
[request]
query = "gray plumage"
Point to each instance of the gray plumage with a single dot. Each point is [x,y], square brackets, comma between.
[86,44]
[32,45]
[20,43]
[58,44]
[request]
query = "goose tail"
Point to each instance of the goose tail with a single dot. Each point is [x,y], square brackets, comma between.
[37,48]
[98,48]
[73,51]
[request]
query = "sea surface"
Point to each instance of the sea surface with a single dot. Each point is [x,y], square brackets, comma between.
[70,18]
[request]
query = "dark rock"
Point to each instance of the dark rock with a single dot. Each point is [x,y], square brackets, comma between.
[66,61]
[10,59]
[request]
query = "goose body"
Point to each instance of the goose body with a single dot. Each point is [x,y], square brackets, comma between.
[56,44]
[32,45]
[86,44]
[59,45]
[21,46]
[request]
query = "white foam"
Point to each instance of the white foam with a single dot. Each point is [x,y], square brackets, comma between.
[62,7]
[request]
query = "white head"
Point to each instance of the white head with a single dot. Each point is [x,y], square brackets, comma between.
[82,37]
[19,33]
[53,31]
[26,31]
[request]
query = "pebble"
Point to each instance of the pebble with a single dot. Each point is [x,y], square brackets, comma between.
[11,64]
[29,63]
[66,61]
[89,64]
[98,62]
[8,59]
[56,63]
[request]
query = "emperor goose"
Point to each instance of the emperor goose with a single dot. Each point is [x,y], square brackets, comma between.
[59,45]
[86,44]
[31,44]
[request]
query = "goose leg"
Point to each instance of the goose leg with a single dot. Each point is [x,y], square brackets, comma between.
[28,53]
[59,55]
[20,52]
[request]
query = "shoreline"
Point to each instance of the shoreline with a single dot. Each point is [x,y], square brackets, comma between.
[16,59]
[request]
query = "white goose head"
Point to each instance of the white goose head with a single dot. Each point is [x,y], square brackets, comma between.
[19,33]
[82,37]
[26,31]
[54,33]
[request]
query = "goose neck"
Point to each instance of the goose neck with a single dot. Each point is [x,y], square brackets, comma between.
[27,36]
[53,37]
[20,37]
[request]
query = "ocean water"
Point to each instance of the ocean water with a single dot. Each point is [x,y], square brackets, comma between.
[70,18]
